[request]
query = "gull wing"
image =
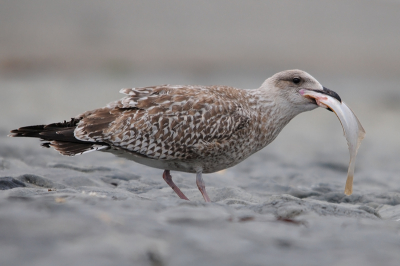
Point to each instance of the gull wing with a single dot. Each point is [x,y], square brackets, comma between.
[168,122]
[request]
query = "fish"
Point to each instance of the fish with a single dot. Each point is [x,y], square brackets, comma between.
[352,128]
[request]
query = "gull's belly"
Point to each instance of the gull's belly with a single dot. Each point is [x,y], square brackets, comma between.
[227,156]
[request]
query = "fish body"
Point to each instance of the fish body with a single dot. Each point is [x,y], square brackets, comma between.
[352,128]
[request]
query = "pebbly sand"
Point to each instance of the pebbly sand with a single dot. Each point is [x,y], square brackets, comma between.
[282,206]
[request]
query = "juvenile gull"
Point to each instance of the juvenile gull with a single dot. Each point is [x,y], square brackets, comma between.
[195,129]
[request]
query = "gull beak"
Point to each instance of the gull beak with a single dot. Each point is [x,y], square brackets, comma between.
[330,93]
[325,91]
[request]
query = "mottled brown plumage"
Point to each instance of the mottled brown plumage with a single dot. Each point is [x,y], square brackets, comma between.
[198,129]
[175,123]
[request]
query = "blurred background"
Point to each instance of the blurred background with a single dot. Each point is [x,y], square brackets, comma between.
[60,58]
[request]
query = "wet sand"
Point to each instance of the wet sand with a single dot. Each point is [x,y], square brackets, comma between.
[283,206]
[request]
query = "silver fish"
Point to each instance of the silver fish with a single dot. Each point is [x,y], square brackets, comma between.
[352,128]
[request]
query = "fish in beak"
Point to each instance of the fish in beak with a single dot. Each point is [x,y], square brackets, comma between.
[325,91]
[352,128]
[331,93]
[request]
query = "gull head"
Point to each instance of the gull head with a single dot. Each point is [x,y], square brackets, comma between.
[287,88]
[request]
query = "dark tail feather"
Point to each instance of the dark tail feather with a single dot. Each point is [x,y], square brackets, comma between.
[73,148]
[56,131]
[59,136]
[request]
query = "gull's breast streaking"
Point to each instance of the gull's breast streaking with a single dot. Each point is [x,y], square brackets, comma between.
[195,129]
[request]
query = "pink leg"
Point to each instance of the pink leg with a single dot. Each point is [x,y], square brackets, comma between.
[168,178]
[202,186]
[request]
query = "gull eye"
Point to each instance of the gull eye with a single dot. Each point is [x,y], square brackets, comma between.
[296,80]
